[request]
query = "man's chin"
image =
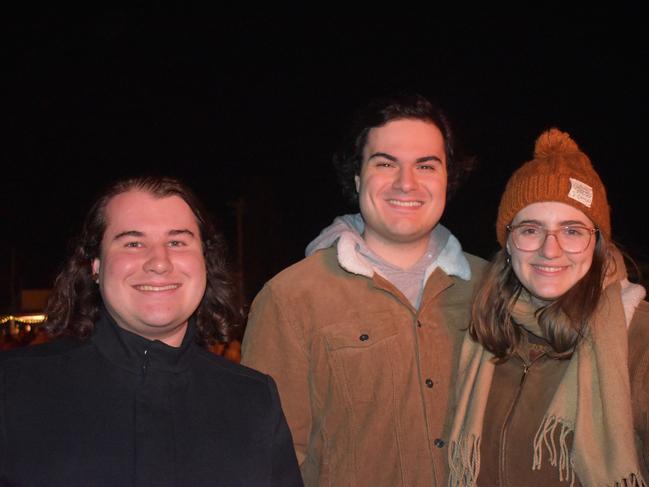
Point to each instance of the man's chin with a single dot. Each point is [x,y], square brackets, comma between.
[411,235]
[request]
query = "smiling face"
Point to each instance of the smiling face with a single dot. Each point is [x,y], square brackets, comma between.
[547,273]
[151,268]
[402,185]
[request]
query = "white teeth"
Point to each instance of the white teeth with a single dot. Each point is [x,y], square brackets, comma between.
[157,288]
[549,269]
[405,203]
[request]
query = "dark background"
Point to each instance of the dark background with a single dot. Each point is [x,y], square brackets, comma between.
[248,111]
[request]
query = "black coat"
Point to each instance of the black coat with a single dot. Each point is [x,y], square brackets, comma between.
[120,410]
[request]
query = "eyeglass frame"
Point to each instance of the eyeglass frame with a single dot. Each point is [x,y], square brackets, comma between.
[591,232]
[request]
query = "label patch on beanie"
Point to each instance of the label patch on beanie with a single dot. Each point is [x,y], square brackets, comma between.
[581,192]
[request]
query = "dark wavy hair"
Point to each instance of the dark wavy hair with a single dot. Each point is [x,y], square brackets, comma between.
[564,321]
[348,160]
[75,301]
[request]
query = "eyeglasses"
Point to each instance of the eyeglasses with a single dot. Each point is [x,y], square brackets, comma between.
[572,239]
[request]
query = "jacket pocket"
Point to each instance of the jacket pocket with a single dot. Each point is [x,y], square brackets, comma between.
[363,356]
[362,380]
[354,335]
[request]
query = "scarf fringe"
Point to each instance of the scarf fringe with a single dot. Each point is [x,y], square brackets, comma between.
[545,437]
[633,480]
[545,440]
[464,461]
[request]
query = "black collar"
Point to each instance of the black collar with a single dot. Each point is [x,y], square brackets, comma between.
[129,350]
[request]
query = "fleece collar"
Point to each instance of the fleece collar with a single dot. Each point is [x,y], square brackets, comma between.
[346,232]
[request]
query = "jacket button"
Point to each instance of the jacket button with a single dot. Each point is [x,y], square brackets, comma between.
[364,337]
[429,383]
[439,443]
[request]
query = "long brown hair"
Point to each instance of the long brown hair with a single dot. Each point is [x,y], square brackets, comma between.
[74,305]
[564,321]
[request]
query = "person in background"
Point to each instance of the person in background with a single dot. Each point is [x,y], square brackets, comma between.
[128,395]
[554,376]
[363,335]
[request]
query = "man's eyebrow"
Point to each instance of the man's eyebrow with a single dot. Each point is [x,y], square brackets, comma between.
[429,158]
[390,157]
[182,231]
[128,233]
[138,234]
[384,155]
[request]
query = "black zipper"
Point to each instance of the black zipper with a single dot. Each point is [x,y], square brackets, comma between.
[145,363]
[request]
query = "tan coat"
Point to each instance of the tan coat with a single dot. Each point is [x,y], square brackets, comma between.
[520,394]
[364,378]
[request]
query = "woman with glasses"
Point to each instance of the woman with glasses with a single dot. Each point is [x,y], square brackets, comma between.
[554,372]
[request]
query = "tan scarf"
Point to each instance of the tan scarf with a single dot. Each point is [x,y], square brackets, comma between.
[593,401]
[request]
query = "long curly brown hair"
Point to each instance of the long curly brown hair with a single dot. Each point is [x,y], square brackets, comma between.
[74,304]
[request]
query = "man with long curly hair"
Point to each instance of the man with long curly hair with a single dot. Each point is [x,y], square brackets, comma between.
[128,394]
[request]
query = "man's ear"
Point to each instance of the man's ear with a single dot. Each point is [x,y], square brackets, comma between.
[357,181]
[96,264]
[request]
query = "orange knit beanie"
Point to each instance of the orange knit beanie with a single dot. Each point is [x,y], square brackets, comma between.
[559,172]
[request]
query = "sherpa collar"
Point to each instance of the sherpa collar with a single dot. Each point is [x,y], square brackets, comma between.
[346,232]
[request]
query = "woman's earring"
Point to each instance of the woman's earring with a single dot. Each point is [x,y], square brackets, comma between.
[95,277]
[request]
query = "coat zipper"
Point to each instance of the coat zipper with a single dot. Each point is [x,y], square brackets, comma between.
[503,437]
[145,363]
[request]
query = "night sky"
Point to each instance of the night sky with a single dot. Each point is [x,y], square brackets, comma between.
[248,111]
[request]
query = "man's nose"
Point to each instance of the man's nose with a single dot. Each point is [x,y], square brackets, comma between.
[158,260]
[406,179]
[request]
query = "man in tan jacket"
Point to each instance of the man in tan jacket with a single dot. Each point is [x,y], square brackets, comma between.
[362,336]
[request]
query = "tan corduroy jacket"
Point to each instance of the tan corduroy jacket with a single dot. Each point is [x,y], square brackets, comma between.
[364,378]
[520,394]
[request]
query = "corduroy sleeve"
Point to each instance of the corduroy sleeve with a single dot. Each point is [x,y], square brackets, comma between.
[285,470]
[271,345]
